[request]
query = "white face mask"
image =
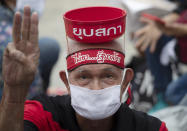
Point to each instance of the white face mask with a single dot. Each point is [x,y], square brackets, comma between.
[96,104]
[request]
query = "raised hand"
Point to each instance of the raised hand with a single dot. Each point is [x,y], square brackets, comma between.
[147,36]
[21,57]
[20,63]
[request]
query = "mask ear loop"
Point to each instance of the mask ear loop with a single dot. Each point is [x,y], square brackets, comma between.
[126,96]
[66,71]
[123,76]
[129,98]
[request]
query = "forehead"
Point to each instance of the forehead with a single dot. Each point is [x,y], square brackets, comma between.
[74,46]
[97,69]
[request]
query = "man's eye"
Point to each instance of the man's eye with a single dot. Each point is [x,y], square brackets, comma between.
[83,77]
[109,76]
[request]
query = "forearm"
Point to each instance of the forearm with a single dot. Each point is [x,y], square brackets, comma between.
[11,116]
[181,30]
[170,18]
[12,110]
[176,30]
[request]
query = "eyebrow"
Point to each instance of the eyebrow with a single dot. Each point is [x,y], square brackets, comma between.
[83,71]
[108,69]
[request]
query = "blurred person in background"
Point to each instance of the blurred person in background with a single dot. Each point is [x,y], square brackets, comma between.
[158,43]
[6,18]
[48,46]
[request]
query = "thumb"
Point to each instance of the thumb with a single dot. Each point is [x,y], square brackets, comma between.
[15,54]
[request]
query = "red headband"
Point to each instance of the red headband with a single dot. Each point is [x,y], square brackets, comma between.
[95,56]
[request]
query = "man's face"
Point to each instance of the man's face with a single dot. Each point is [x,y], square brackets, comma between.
[96,76]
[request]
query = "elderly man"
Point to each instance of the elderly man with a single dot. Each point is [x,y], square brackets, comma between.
[96,91]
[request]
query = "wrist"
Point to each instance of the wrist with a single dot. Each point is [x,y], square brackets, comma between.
[170,18]
[14,94]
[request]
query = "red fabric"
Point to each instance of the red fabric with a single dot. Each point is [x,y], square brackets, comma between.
[95,56]
[34,112]
[163,127]
[182,41]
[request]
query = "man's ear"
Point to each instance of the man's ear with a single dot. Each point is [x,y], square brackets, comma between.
[127,79]
[64,78]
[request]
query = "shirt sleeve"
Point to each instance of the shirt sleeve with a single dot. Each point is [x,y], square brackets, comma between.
[163,127]
[35,115]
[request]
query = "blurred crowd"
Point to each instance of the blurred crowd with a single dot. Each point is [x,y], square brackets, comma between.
[162,51]
[160,82]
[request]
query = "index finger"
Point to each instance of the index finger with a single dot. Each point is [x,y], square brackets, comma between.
[16,32]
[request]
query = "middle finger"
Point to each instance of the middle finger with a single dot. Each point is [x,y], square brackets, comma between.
[26,23]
